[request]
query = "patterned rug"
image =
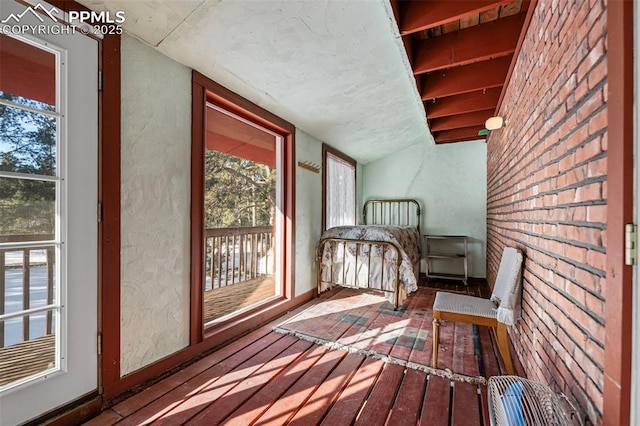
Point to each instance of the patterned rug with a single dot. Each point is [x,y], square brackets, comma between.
[364,322]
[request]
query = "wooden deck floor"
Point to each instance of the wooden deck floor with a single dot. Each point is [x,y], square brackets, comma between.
[265,378]
[27,358]
[223,301]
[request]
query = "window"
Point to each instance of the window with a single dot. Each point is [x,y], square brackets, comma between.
[339,188]
[242,212]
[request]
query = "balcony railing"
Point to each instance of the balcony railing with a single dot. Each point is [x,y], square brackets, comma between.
[235,255]
[26,281]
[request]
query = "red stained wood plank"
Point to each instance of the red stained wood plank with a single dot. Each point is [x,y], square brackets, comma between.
[212,391]
[435,409]
[445,348]
[409,400]
[465,79]
[464,360]
[286,407]
[382,397]
[272,392]
[484,406]
[348,405]
[416,304]
[465,410]
[424,356]
[478,43]
[106,418]
[465,133]
[190,388]
[418,15]
[223,407]
[476,118]
[323,398]
[489,358]
[141,399]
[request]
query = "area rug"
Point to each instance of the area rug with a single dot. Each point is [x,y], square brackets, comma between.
[364,322]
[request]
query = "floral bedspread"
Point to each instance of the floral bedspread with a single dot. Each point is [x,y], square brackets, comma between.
[341,262]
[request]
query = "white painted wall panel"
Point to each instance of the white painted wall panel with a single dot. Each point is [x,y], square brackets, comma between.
[450,181]
[308,212]
[156,149]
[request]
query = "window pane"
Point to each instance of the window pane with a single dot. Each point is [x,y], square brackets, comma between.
[27,142]
[27,207]
[340,194]
[21,358]
[28,73]
[240,197]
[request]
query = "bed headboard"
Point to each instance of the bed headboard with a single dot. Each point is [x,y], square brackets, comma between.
[400,211]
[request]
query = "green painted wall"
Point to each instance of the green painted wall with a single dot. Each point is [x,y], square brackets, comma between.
[450,181]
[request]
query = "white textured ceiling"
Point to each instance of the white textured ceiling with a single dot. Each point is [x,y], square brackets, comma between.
[335,69]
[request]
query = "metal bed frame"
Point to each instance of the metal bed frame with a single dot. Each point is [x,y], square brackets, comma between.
[379,212]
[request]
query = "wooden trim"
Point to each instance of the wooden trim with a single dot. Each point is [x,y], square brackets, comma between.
[418,15]
[328,149]
[198,132]
[190,354]
[237,103]
[466,78]
[477,43]
[110,224]
[206,90]
[531,7]
[618,289]
[109,198]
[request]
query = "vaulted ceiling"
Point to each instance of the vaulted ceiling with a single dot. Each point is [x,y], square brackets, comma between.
[461,53]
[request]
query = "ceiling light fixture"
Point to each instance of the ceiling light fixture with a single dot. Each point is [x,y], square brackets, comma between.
[495,123]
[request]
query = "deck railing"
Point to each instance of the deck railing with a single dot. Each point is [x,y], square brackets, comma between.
[11,289]
[234,255]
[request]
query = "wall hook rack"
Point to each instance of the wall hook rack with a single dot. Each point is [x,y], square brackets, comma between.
[313,167]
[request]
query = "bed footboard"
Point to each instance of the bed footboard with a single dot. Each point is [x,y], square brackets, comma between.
[366,257]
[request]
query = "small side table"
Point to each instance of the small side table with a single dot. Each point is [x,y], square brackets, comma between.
[440,247]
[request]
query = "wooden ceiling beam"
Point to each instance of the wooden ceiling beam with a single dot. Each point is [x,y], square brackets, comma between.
[465,79]
[478,43]
[459,135]
[418,15]
[461,104]
[461,120]
[469,139]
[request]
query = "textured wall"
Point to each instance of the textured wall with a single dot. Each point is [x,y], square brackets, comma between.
[308,212]
[450,183]
[547,192]
[156,149]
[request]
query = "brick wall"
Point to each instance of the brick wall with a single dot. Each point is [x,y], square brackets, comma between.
[547,192]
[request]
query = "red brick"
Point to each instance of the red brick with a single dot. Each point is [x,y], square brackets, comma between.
[597,168]
[597,214]
[597,74]
[591,192]
[588,151]
[598,122]
[597,260]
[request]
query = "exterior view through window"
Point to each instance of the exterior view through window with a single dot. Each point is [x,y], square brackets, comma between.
[340,191]
[241,202]
[29,207]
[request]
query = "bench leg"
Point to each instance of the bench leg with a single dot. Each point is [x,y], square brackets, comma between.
[435,339]
[503,346]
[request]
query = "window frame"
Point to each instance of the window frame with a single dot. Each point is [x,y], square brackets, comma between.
[326,151]
[206,91]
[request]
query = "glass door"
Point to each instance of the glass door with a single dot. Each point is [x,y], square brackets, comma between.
[48,221]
